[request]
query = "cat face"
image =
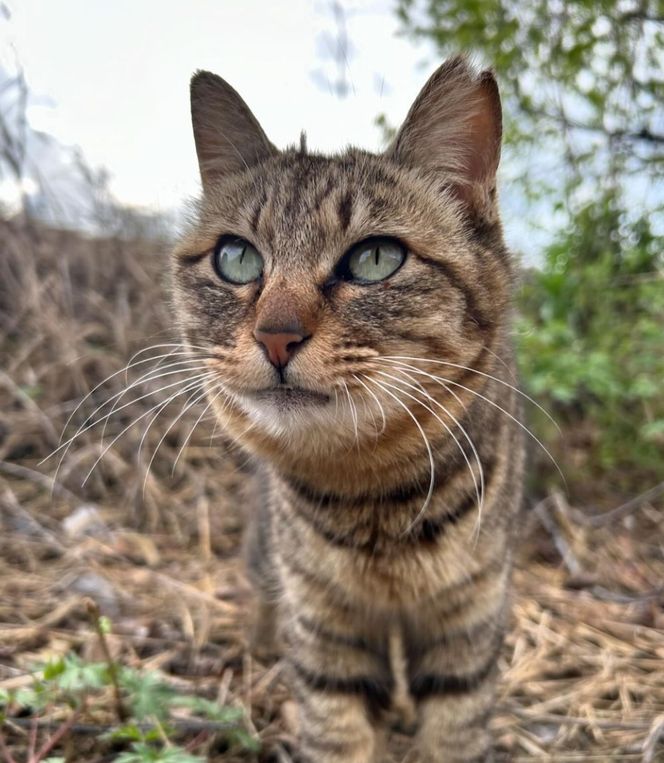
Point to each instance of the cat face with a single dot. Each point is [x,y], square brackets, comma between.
[306,278]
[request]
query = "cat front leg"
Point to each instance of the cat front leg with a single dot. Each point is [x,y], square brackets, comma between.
[263,574]
[335,726]
[338,672]
[341,682]
[453,675]
[263,629]
[454,728]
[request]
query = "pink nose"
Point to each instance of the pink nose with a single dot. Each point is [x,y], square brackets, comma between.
[279,346]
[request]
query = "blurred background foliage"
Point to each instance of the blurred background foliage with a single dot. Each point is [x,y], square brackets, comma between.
[583,91]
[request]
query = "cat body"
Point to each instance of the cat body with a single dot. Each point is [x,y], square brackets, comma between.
[356,309]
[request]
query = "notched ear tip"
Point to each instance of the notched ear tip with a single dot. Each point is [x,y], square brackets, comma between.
[454,128]
[461,67]
[462,73]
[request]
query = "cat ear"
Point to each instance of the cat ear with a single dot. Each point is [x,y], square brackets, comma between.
[228,136]
[454,128]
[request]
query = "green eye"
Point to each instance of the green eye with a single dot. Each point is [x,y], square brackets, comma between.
[372,260]
[237,261]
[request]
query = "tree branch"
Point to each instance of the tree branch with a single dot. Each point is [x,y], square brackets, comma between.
[644,134]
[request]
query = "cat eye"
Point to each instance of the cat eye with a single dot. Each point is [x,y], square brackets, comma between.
[237,261]
[374,259]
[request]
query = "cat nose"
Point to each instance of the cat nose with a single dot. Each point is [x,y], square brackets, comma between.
[280,344]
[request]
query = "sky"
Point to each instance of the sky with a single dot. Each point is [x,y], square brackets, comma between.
[113,77]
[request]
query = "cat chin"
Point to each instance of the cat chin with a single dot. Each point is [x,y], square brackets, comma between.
[300,420]
[286,415]
[287,398]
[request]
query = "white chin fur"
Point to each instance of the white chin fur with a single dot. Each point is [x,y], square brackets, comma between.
[330,423]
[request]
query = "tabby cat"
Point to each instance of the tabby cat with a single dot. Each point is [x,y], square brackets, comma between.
[356,311]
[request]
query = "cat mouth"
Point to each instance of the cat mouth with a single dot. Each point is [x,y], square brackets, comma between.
[288,396]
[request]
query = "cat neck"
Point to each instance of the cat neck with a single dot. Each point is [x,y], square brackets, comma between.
[405,458]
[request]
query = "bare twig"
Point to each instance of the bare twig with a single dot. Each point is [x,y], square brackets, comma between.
[600,520]
[198,740]
[655,735]
[61,732]
[10,502]
[6,754]
[571,720]
[550,525]
[32,739]
[180,726]
[18,470]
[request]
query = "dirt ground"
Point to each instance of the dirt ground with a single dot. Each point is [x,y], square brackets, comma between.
[158,549]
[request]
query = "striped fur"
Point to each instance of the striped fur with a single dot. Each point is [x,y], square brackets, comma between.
[384,582]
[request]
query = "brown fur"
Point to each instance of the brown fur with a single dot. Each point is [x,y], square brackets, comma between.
[389,605]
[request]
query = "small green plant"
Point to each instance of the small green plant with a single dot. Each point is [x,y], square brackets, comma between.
[132,708]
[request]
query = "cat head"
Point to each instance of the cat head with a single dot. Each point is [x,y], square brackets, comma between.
[305,279]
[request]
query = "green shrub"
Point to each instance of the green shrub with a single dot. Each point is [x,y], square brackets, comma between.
[591,344]
[72,689]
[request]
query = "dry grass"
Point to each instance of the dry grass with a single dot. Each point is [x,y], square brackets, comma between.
[583,666]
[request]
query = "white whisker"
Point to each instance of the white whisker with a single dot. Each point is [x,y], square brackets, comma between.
[197,391]
[378,403]
[371,413]
[353,413]
[432,467]
[479,487]
[219,391]
[505,365]
[65,446]
[186,347]
[443,381]
[451,392]
[190,401]
[479,373]
[177,367]
[188,386]
[401,366]
[82,429]
[101,384]
[482,488]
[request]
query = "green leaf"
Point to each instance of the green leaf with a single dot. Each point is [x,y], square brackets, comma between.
[654,431]
[212,710]
[28,697]
[148,695]
[104,624]
[78,676]
[132,733]
[54,668]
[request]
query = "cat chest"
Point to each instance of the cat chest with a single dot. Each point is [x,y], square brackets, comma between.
[378,566]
